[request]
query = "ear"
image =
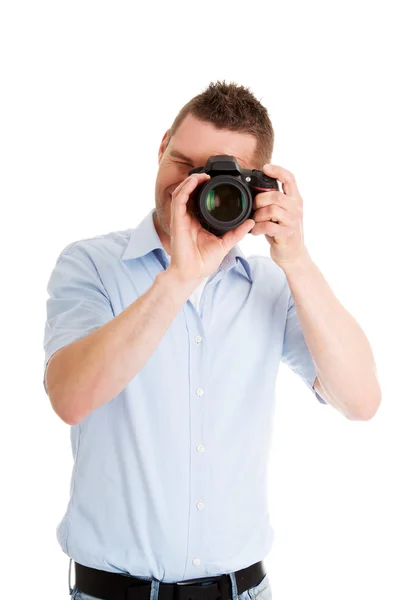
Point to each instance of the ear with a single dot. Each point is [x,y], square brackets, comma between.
[163,146]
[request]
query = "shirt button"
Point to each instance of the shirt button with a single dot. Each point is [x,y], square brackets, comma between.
[198,339]
[199,392]
[200,505]
[200,448]
[196,562]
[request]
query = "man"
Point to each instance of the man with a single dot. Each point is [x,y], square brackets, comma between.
[165,342]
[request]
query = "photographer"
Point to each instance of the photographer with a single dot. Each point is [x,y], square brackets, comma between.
[162,348]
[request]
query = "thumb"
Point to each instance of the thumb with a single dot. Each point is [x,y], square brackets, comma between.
[232,237]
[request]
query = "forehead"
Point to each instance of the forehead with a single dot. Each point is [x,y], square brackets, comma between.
[199,140]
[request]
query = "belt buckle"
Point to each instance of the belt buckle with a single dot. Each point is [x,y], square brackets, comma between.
[192,589]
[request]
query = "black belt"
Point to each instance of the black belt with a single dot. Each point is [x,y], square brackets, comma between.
[115,586]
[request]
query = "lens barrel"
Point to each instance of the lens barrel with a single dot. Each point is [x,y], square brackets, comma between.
[222,203]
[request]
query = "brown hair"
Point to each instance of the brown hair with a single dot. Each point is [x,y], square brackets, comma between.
[233,107]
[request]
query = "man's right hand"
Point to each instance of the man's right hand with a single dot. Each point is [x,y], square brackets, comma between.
[195,252]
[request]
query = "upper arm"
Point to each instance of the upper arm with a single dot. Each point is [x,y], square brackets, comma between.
[77,305]
[295,352]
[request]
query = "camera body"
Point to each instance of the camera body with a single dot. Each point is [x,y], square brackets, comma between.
[225,201]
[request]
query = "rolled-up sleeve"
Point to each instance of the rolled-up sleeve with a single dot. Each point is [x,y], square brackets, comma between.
[78,302]
[295,352]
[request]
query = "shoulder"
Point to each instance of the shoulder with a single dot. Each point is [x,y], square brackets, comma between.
[98,248]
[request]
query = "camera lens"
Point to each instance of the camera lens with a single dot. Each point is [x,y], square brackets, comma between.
[225,202]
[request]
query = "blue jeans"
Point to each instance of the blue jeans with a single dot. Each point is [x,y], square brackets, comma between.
[262,591]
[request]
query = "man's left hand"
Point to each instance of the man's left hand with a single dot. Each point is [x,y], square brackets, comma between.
[279,216]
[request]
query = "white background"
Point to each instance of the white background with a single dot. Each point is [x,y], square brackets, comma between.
[87,91]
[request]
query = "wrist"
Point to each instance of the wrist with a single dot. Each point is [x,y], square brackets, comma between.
[176,284]
[301,264]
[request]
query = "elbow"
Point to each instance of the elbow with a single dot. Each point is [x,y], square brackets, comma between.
[68,421]
[369,412]
[64,408]
[372,404]
[61,401]
[367,409]
[61,411]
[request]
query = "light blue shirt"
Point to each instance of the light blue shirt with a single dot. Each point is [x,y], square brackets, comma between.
[170,477]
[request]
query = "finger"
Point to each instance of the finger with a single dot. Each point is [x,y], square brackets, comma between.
[273,213]
[284,176]
[267,198]
[233,237]
[180,198]
[198,176]
[272,229]
[181,194]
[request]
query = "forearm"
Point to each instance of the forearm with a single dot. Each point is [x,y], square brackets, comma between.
[96,368]
[341,352]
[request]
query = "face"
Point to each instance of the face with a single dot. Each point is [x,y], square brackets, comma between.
[193,143]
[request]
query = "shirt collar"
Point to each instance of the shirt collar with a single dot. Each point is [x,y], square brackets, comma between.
[144,239]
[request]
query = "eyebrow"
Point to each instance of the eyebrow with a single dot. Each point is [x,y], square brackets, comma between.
[177,154]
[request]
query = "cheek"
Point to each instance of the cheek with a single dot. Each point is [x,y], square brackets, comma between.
[163,181]
[172,176]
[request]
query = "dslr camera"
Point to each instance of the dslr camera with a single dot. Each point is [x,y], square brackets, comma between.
[225,201]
